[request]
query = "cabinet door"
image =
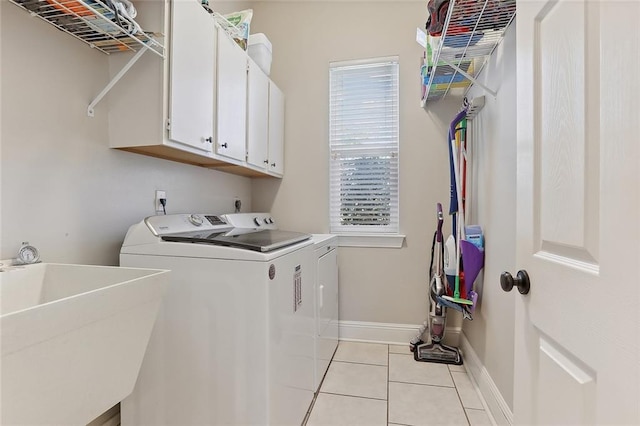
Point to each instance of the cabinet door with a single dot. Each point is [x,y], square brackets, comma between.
[232,98]
[276,130]
[257,117]
[192,75]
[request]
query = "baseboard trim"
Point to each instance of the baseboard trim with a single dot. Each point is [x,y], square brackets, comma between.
[496,404]
[389,333]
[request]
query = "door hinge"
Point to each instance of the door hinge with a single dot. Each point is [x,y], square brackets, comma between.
[168,124]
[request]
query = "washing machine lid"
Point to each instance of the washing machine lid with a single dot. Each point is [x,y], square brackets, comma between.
[263,241]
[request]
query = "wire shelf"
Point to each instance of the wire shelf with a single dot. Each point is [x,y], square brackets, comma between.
[472,31]
[96,24]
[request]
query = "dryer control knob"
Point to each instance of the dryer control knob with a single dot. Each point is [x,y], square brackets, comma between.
[256,221]
[196,220]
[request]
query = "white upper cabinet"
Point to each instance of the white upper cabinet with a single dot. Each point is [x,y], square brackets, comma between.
[276,130]
[192,76]
[192,107]
[232,99]
[265,123]
[257,117]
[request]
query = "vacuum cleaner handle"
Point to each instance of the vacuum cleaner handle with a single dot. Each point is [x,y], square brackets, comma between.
[440,222]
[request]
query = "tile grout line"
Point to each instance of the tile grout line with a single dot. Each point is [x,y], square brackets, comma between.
[353,396]
[476,387]
[317,392]
[320,391]
[423,384]
[459,397]
[361,363]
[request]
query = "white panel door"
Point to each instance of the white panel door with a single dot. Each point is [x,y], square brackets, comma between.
[257,117]
[192,75]
[276,130]
[232,99]
[577,334]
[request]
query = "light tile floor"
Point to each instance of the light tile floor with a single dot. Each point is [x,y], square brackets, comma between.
[376,384]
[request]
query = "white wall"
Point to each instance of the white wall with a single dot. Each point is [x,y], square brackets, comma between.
[377,285]
[491,333]
[63,189]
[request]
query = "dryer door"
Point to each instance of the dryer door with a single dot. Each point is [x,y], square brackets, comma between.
[327,311]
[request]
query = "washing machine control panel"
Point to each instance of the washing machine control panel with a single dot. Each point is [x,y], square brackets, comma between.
[178,223]
[251,220]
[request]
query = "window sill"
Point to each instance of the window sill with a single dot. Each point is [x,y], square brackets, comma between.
[371,240]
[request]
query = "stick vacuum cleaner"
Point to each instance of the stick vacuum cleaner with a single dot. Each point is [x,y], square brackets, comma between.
[436,351]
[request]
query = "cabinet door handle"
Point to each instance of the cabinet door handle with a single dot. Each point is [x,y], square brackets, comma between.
[266,161]
[273,164]
[224,145]
[209,139]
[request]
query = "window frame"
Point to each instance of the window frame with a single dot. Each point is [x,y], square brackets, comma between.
[367,235]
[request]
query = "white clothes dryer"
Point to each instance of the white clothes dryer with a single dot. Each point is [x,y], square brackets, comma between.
[326,306]
[234,339]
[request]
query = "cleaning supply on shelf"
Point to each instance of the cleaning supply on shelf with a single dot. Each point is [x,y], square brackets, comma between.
[450,263]
[437,16]
[259,49]
[475,236]
[473,260]
[242,21]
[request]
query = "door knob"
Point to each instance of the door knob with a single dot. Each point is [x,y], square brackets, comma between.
[521,281]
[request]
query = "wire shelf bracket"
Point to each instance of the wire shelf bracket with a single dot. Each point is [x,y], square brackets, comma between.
[473,106]
[114,80]
[102,27]
[469,77]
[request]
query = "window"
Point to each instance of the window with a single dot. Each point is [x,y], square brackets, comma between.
[363,139]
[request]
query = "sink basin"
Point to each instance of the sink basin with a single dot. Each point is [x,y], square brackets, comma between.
[72,339]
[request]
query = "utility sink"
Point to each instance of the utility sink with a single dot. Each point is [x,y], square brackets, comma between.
[72,339]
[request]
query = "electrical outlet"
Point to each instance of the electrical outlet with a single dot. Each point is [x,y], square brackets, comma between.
[160,195]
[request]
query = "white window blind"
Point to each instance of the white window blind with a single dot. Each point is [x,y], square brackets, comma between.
[363,138]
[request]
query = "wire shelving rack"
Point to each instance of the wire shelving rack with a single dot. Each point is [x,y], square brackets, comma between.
[94,23]
[472,31]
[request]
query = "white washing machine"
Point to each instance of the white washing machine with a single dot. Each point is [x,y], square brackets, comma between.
[234,340]
[326,285]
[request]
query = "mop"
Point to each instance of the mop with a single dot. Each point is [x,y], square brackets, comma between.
[457,205]
[470,254]
[436,351]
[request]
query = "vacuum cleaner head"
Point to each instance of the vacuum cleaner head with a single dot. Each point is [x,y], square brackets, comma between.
[437,352]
